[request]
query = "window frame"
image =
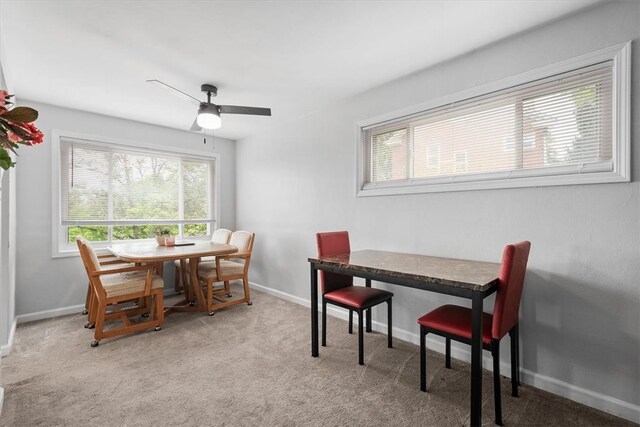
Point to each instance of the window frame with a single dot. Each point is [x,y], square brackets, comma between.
[59,247]
[620,55]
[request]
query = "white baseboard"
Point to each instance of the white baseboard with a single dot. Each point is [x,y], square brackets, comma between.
[48,314]
[590,398]
[1,399]
[6,349]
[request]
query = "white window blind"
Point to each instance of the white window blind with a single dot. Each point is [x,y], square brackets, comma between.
[115,193]
[563,121]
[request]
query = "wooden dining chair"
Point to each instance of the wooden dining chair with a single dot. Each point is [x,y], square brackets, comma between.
[114,286]
[226,268]
[106,261]
[339,290]
[454,322]
[221,235]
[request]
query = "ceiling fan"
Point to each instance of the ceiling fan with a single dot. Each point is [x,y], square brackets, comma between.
[209,113]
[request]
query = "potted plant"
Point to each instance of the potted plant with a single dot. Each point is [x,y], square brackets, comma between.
[16,128]
[162,235]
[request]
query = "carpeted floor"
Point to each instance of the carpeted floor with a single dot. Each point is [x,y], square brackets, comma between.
[248,365]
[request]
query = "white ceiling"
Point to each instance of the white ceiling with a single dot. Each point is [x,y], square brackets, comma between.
[294,57]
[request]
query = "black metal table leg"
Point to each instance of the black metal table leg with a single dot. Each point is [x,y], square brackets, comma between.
[368,285]
[314,311]
[476,360]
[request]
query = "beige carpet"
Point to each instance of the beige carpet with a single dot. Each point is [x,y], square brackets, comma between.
[247,366]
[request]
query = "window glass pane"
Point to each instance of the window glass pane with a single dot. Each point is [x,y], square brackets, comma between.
[87,178]
[568,125]
[97,233]
[145,187]
[195,230]
[389,155]
[130,232]
[480,134]
[195,177]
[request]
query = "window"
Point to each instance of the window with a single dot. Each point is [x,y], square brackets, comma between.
[460,162]
[109,192]
[565,124]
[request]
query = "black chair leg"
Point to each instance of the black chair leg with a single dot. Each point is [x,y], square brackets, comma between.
[360,338]
[517,327]
[495,353]
[423,359]
[447,353]
[514,361]
[350,321]
[389,326]
[324,323]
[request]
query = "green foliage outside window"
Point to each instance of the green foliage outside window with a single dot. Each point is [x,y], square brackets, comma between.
[98,233]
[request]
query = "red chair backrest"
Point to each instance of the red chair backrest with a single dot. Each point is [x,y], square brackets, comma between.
[510,282]
[333,243]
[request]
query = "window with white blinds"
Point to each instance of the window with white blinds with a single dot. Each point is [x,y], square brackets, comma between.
[533,133]
[110,192]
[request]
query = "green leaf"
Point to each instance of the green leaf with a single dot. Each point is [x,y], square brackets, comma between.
[21,115]
[5,160]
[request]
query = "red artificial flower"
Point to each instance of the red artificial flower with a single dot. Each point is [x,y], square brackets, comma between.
[4,95]
[13,137]
[36,135]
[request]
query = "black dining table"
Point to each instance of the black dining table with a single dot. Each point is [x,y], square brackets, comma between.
[474,280]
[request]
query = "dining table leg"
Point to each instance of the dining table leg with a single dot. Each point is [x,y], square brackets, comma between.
[184,273]
[367,283]
[194,284]
[476,359]
[314,311]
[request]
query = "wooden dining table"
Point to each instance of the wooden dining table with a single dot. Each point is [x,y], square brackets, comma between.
[473,280]
[152,253]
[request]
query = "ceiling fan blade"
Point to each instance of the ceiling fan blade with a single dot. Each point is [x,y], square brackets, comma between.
[178,92]
[195,126]
[236,109]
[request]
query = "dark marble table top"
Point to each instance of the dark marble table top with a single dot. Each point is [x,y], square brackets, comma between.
[460,273]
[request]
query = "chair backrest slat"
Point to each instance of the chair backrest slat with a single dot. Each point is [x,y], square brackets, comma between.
[333,243]
[510,284]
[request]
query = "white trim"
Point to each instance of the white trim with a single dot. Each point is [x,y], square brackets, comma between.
[49,314]
[5,350]
[57,134]
[620,165]
[593,399]
[1,399]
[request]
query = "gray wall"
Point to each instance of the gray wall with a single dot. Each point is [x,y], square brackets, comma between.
[580,317]
[44,283]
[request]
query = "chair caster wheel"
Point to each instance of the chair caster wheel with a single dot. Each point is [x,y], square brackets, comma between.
[211,313]
[145,315]
[95,343]
[249,303]
[158,328]
[89,325]
[192,304]
[85,312]
[229,295]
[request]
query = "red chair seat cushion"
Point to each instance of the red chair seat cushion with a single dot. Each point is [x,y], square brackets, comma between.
[358,296]
[456,320]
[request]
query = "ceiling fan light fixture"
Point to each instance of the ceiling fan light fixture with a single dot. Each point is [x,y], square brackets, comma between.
[209,117]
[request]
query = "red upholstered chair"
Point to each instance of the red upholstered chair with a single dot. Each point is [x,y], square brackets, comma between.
[454,322]
[339,290]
